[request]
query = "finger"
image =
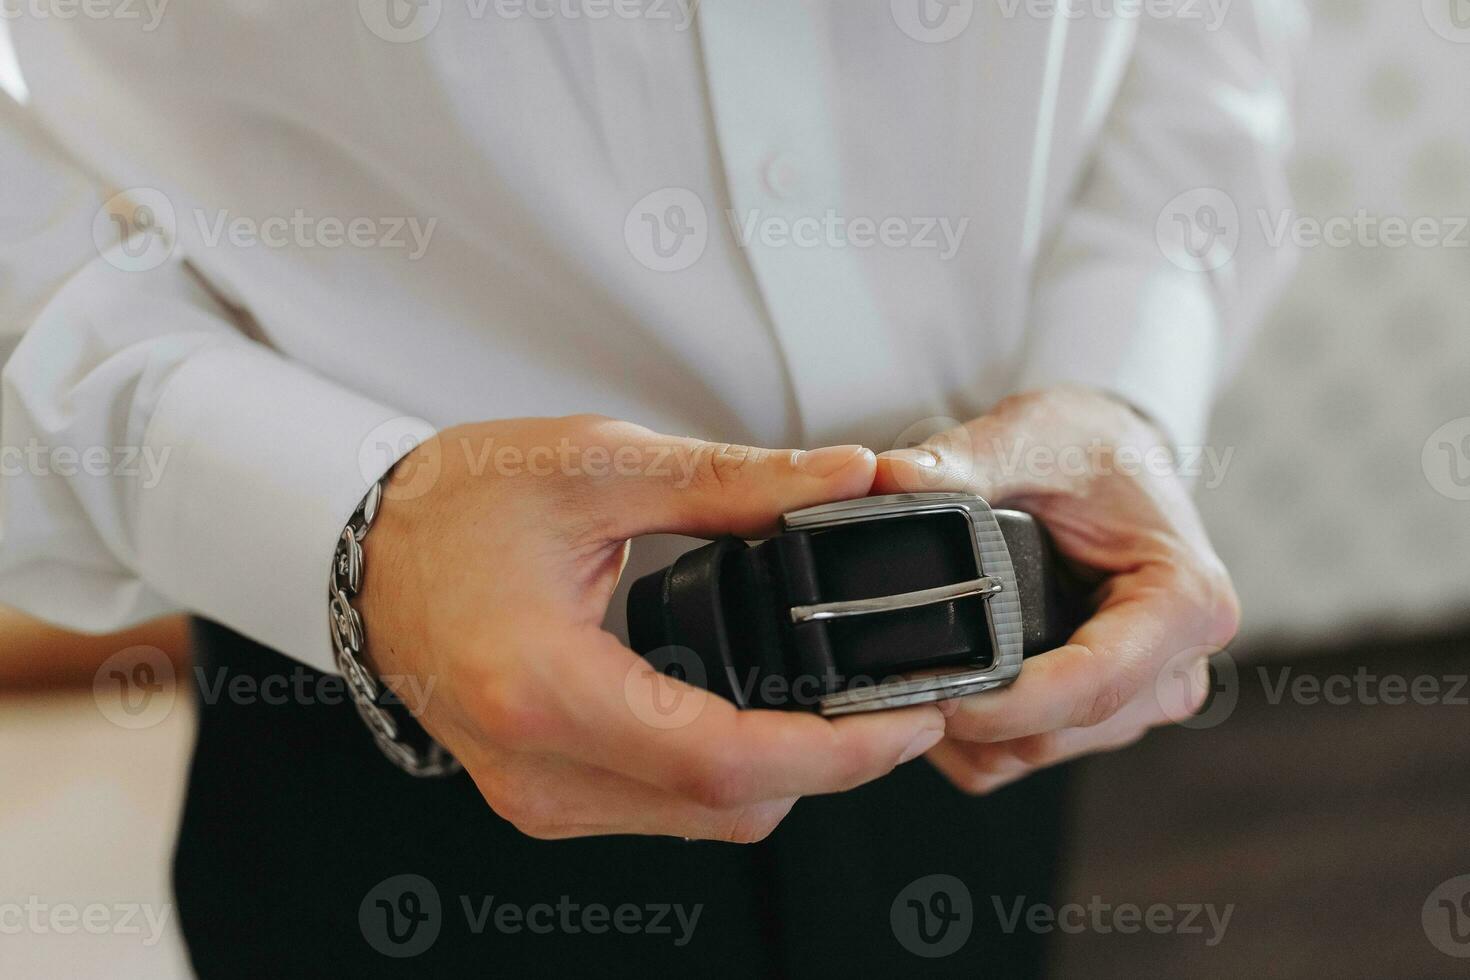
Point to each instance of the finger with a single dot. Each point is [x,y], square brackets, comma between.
[981,767]
[921,470]
[968,458]
[992,455]
[1105,664]
[1123,729]
[953,761]
[553,798]
[629,718]
[705,489]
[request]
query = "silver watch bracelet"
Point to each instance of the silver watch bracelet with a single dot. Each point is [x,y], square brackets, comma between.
[349,639]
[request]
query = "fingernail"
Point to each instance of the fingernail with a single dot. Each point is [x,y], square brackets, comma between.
[828,460]
[919,457]
[923,742]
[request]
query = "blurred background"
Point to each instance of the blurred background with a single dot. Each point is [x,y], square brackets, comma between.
[1331,823]
[1334,822]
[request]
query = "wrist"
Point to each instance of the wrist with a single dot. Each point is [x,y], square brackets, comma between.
[389,569]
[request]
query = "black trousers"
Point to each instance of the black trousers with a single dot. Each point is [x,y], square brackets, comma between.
[304,853]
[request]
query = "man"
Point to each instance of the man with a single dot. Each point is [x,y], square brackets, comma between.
[346,238]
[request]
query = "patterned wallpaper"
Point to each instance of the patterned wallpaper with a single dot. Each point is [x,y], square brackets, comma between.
[1346,504]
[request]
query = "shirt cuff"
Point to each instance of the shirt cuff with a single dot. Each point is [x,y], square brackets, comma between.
[264,463]
[1149,336]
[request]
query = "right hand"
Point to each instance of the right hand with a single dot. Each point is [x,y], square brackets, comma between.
[489,570]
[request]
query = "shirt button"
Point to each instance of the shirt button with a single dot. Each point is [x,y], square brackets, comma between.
[780,175]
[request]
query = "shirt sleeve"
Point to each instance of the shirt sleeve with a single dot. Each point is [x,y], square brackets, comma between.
[153,458]
[1160,265]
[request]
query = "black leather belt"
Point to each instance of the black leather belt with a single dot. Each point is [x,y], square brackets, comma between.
[861,605]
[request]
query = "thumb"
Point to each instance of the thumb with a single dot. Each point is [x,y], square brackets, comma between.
[948,461]
[985,456]
[707,489]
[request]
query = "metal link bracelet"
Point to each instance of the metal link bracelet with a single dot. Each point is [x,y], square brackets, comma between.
[348,639]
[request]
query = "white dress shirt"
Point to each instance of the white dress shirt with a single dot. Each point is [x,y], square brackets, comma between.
[779,222]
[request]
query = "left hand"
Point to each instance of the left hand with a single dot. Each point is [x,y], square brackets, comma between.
[1094,472]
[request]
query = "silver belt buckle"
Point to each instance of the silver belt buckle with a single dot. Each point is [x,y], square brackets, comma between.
[994,584]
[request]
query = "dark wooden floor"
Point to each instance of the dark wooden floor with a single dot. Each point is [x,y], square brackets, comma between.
[1327,826]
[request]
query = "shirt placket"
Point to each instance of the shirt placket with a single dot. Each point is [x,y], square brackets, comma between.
[767,77]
